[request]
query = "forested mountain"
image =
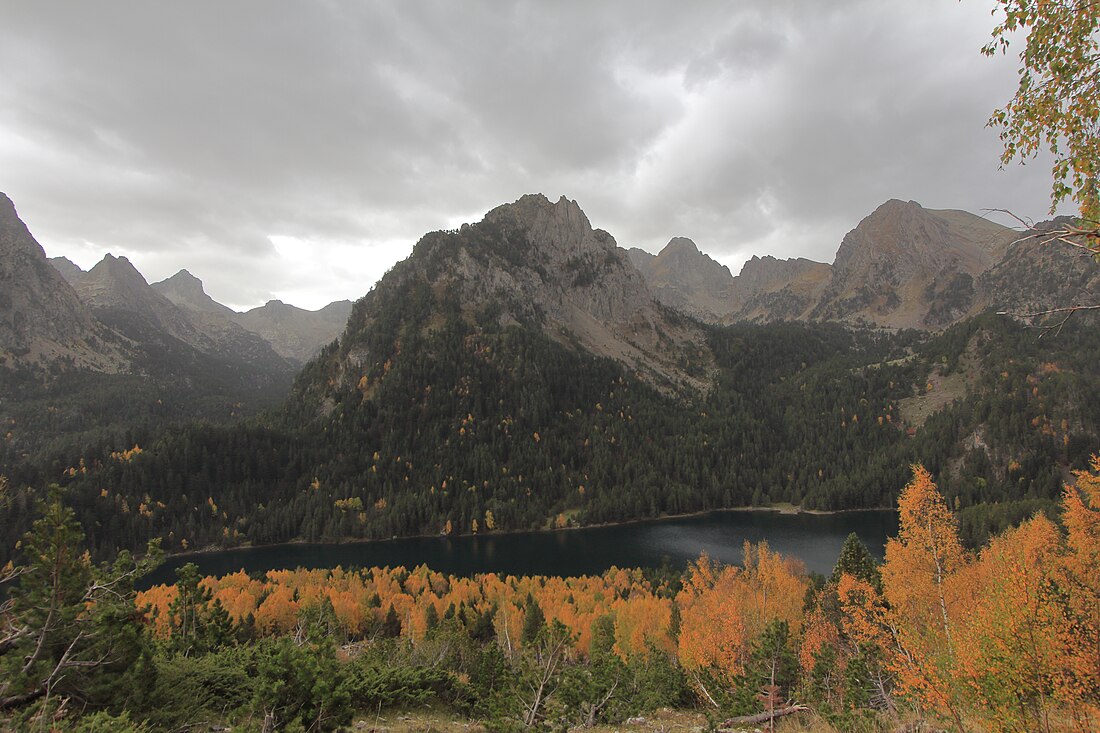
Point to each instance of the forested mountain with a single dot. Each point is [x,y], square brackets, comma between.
[518,373]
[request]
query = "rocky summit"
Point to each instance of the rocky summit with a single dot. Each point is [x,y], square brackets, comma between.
[541,264]
[187,292]
[891,267]
[42,321]
[682,277]
[903,266]
[296,333]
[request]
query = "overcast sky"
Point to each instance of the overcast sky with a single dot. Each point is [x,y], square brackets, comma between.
[299,151]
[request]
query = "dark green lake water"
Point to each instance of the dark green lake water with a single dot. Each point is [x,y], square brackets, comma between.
[814,538]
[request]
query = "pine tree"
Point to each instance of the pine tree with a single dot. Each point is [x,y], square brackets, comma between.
[70,628]
[533,621]
[391,626]
[856,560]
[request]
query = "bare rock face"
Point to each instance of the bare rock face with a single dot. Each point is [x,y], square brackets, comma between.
[892,269]
[640,258]
[684,278]
[541,264]
[570,265]
[42,320]
[296,333]
[187,292]
[68,269]
[120,297]
[770,289]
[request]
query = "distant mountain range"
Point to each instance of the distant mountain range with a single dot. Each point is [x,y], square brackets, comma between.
[103,356]
[903,266]
[114,288]
[110,319]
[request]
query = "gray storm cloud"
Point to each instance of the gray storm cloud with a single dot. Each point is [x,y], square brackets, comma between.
[299,151]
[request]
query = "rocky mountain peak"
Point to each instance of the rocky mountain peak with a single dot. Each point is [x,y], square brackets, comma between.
[113,281]
[767,272]
[7,207]
[68,269]
[293,332]
[902,258]
[895,231]
[41,317]
[678,246]
[682,277]
[184,282]
[187,291]
[539,264]
[556,231]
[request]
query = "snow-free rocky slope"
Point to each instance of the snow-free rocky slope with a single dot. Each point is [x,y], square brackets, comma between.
[902,266]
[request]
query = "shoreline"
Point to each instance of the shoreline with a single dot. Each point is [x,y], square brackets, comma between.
[787,509]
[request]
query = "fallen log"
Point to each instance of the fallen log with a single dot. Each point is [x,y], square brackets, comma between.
[762,717]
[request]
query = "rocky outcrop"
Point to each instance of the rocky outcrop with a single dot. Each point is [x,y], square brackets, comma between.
[541,264]
[296,333]
[42,321]
[684,278]
[120,297]
[68,269]
[187,292]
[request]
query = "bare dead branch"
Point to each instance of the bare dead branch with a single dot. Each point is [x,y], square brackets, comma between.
[1054,328]
[762,717]
[1065,233]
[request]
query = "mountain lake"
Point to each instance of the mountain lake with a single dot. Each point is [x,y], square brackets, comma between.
[814,538]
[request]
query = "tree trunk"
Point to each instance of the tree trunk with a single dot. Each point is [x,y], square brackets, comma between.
[763,717]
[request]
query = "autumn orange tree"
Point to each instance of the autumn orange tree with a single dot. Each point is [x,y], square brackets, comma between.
[1008,654]
[1005,640]
[923,584]
[725,609]
[1078,615]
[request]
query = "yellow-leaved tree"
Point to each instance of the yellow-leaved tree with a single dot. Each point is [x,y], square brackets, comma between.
[1057,103]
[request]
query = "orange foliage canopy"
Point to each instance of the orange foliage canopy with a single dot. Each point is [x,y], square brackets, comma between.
[724,608]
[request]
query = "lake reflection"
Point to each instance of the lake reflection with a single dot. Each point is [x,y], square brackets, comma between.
[814,538]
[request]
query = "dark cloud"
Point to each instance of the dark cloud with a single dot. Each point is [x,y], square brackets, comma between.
[299,151]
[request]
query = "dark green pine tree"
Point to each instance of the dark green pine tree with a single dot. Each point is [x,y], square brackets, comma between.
[71,630]
[391,626]
[197,624]
[856,560]
[533,621]
[431,618]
